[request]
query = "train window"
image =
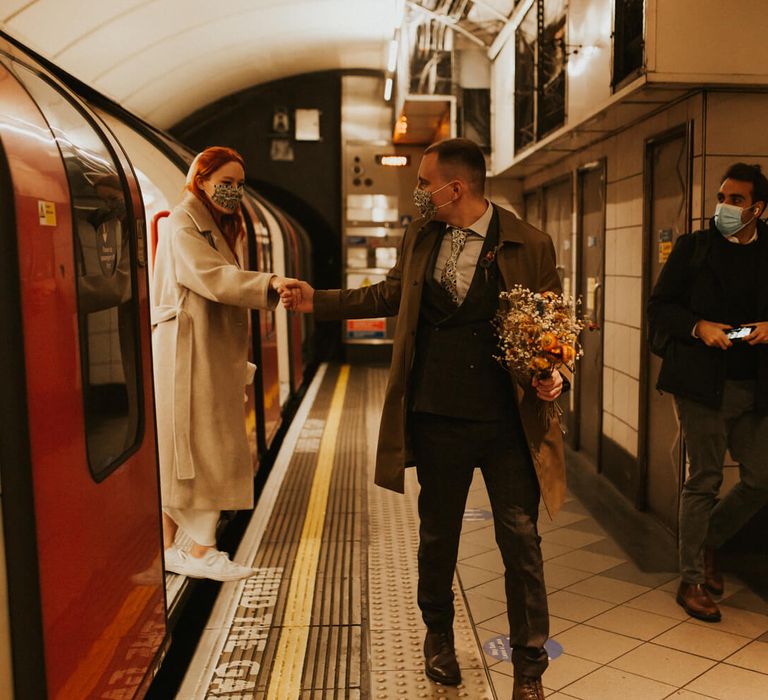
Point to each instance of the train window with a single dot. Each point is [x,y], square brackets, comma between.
[104,248]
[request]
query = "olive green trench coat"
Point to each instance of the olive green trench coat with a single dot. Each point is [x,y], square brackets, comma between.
[526,256]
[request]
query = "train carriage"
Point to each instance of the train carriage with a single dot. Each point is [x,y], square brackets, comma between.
[87,603]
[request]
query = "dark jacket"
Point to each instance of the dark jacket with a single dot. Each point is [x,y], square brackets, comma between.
[526,256]
[454,370]
[692,287]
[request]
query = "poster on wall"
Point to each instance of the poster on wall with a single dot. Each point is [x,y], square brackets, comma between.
[307,125]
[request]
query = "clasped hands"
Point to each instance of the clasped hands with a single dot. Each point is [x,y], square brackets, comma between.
[714,335]
[295,295]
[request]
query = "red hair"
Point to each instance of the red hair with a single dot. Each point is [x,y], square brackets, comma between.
[204,165]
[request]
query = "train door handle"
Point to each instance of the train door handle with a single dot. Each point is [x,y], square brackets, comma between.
[596,323]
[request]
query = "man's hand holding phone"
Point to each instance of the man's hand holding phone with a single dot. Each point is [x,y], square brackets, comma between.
[713,335]
[723,336]
[759,333]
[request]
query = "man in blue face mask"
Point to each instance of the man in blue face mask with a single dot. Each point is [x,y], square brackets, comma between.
[708,317]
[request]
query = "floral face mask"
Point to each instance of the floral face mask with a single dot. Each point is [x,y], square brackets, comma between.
[422,199]
[227,196]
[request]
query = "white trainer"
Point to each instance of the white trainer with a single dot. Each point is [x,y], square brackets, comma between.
[214,565]
[176,560]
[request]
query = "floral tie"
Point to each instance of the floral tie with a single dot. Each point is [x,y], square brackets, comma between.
[448,278]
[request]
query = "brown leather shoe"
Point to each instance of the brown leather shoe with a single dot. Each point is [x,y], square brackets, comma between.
[526,688]
[440,658]
[695,600]
[713,579]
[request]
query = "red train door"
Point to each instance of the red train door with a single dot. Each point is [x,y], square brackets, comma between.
[81,507]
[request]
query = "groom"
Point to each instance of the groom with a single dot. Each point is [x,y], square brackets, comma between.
[449,405]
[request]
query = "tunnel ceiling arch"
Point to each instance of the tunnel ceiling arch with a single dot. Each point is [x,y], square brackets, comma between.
[162,59]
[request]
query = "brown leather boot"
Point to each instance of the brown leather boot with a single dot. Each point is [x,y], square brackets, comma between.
[526,688]
[440,658]
[695,600]
[713,579]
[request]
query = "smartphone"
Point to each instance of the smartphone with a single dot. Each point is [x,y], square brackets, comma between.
[739,332]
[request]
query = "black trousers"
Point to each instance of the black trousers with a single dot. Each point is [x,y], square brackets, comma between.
[447,450]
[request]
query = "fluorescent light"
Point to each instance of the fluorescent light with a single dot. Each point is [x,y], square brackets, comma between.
[388,90]
[393,161]
[399,13]
[392,63]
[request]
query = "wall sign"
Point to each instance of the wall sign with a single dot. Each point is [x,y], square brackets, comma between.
[366,328]
[46,212]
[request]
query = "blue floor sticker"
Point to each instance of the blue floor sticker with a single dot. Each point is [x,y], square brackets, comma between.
[554,649]
[498,648]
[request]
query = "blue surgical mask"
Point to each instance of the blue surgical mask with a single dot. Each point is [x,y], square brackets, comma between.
[728,219]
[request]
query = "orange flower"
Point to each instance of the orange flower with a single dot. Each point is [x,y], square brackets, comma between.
[569,353]
[539,363]
[548,341]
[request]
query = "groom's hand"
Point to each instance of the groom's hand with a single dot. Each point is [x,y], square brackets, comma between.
[301,296]
[549,389]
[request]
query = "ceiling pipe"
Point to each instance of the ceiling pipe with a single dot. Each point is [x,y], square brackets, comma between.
[509,28]
[448,22]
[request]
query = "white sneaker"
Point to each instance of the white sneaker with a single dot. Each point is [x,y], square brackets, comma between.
[176,560]
[213,564]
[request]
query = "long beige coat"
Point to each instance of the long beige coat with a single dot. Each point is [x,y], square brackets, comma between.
[201,296]
[526,256]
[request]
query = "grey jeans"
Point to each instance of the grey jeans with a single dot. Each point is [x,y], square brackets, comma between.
[708,432]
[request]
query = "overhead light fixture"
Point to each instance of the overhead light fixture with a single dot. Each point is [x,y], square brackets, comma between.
[388,90]
[394,45]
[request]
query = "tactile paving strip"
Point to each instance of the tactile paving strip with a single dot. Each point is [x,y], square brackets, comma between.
[249,648]
[396,627]
[366,634]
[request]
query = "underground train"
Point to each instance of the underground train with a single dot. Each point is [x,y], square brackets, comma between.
[85,611]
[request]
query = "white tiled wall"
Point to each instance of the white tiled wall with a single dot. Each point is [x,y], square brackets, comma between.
[622,331]
[623,292]
[624,154]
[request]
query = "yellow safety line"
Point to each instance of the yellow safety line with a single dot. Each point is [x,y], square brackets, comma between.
[292,644]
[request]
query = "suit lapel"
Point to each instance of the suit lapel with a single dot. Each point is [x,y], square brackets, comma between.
[423,247]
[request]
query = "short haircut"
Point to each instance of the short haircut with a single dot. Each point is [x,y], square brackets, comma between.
[749,173]
[462,154]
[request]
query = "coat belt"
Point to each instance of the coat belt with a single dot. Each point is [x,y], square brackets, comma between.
[182,375]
